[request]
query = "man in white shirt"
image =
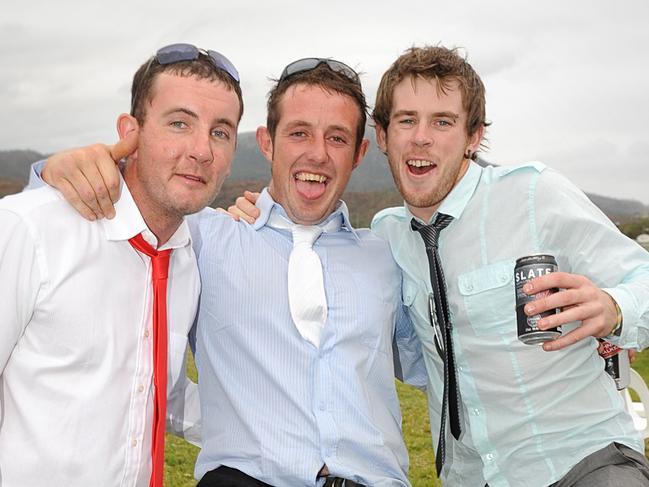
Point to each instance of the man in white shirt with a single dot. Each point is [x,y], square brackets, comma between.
[78,337]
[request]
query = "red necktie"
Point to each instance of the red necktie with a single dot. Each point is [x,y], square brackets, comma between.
[160,263]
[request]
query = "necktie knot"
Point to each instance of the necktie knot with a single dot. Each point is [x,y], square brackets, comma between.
[159,258]
[430,233]
[305,234]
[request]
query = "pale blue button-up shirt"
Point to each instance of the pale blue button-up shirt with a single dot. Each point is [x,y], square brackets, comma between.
[528,415]
[273,405]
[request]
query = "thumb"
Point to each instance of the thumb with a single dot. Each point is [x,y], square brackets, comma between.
[124,147]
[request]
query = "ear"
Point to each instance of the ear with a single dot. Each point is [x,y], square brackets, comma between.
[265,143]
[360,153]
[475,139]
[381,138]
[126,124]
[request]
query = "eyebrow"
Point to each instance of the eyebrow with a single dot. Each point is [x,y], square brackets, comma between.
[301,123]
[412,113]
[190,113]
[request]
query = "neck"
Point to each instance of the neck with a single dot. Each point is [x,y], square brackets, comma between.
[161,224]
[424,214]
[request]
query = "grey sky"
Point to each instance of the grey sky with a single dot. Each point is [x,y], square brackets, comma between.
[567,81]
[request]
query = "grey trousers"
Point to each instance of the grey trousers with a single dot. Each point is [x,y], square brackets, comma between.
[613,466]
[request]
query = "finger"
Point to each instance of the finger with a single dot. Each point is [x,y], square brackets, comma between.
[548,302]
[553,280]
[251,196]
[234,216]
[632,356]
[101,198]
[109,172]
[568,339]
[124,147]
[73,198]
[81,181]
[574,314]
[235,211]
[247,207]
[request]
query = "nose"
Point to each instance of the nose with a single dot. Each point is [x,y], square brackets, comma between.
[317,150]
[423,135]
[200,149]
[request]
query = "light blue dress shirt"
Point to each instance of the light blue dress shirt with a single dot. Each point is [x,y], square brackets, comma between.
[528,415]
[273,405]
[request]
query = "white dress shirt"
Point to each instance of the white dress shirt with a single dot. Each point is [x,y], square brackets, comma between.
[76,393]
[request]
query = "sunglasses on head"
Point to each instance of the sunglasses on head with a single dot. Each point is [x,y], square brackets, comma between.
[177,53]
[309,63]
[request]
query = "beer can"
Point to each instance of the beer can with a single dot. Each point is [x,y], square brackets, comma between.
[616,363]
[526,269]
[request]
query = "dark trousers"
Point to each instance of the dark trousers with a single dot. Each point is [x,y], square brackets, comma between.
[229,477]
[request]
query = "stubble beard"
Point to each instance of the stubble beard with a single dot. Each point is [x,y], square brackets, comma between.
[432,197]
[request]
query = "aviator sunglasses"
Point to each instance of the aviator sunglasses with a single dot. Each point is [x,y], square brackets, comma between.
[309,63]
[178,53]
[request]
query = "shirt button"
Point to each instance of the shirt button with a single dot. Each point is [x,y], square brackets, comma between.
[146,333]
[322,406]
[489,457]
[503,278]
[134,442]
[140,388]
[469,287]
[476,412]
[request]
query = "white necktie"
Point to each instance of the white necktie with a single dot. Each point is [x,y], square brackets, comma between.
[306,294]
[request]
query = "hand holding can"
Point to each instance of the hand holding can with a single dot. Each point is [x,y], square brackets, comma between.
[526,269]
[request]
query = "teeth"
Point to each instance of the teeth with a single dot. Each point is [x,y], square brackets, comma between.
[307,176]
[419,162]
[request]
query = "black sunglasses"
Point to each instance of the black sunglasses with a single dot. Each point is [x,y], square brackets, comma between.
[309,63]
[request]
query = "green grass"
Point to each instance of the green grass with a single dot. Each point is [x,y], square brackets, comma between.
[180,455]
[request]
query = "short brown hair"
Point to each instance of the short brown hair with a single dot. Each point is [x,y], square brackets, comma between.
[434,63]
[329,80]
[201,68]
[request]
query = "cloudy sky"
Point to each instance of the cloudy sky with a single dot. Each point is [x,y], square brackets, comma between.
[567,81]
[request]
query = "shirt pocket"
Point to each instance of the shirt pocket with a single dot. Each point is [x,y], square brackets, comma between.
[489,298]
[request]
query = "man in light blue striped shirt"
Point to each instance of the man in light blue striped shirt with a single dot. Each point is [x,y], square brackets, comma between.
[530,416]
[274,406]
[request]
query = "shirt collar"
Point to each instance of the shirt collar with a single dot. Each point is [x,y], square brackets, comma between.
[267,204]
[128,222]
[456,201]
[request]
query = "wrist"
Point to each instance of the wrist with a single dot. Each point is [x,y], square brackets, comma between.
[616,330]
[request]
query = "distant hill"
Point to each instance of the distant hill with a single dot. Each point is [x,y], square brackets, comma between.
[251,168]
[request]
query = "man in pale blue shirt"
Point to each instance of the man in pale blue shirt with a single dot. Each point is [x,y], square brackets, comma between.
[528,417]
[278,409]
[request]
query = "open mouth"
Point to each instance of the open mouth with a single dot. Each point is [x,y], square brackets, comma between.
[310,185]
[420,166]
